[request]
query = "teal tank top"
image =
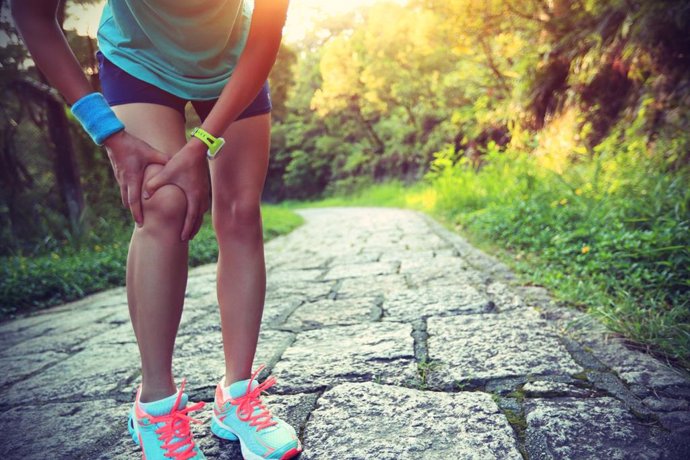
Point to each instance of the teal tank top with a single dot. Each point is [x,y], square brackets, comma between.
[186,47]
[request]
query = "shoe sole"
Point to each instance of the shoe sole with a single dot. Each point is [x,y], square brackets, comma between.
[223,431]
[133,432]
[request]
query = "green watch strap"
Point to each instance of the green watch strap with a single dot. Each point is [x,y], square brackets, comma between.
[213,143]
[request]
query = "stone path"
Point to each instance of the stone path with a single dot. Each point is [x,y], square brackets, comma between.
[390,338]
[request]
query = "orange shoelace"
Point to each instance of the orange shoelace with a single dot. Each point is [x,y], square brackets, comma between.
[248,404]
[176,425]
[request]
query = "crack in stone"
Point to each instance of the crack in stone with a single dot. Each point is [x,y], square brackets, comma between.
[606,380]
[420,335]
[517,421]
[303,427]
[582,357]
[333,293]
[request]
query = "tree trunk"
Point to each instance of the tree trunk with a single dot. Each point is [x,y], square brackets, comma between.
[65,164]
[379,147]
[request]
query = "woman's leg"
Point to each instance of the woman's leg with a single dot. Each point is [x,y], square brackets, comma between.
[157,260]
[237,177]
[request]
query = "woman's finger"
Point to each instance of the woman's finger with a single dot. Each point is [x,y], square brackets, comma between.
[154,183]
[197,226]
[190,218]
[134,201]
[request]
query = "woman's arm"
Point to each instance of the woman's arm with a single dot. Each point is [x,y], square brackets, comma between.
[253,67]
[36,21]
[185,169]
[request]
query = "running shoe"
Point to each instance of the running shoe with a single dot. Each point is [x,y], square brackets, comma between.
[162,430]
[238,413]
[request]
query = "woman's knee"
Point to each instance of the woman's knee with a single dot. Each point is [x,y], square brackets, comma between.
[238,216]
[166,207]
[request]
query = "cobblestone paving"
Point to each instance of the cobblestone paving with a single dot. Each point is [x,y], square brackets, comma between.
[390,338]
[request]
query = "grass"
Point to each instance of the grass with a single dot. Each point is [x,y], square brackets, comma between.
[70,271]
[608,237]
[424,369]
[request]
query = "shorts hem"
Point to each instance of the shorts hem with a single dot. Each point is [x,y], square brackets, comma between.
[124,101]
[254,113]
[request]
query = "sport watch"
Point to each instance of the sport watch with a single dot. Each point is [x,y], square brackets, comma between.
[214,143]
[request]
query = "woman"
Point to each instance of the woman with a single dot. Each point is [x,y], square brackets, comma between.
[154,56]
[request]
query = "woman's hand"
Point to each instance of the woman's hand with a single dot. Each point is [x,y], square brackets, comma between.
[188,169]
[129,157]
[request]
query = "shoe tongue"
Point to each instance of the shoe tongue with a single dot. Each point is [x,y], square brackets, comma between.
[239,388]
[165,406]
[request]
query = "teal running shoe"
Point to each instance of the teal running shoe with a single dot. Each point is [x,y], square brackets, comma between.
[238,413]
[162,430]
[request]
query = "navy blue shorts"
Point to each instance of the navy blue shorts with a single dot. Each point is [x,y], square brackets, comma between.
[119,87]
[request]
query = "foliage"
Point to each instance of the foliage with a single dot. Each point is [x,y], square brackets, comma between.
[35,181]
[394,85]
[69,272]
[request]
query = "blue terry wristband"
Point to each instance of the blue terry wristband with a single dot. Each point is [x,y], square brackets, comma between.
[96,116]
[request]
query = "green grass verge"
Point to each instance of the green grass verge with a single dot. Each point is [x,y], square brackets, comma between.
[70,273]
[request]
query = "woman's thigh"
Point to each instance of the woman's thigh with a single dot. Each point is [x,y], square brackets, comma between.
[239,171]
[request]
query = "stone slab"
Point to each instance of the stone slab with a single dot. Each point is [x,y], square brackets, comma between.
[362,352]
[332,312]
[549,388]
[593,428]
[304,260]
[15,369]
[428,240]
[105,300]
[94,372]
[677,421]
[664,404]
[503,296]
[361,270]
[363,257]
[401,254]
[277,309]
[639,370]
[17,330]
[58,340]
[61,430]
[116,335]
[481,347]
[304,290]
[413,304]
[201,284]
[383,422]
[63,331]
[280,277]
[371,286]
[446,269]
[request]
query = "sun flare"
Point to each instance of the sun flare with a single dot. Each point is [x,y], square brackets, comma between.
[302,15]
